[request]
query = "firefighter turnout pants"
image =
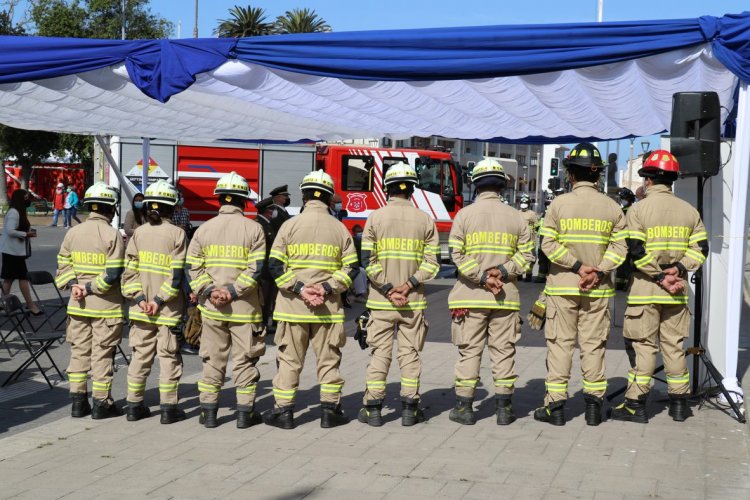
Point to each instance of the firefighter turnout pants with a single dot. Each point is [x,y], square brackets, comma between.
[292,341]
[668,325]
[147,341]
[92,346]
[571,318]
[247,343]
[500,329]
[410,328]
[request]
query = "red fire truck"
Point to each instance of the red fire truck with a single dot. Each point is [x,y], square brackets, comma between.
[357,171]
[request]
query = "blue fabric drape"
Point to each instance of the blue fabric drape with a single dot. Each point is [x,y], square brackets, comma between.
[160,68]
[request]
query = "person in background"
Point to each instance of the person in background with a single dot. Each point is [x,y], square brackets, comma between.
[16,248]
[336,207]
[181,217]
[281,200]
[135,216]
[58,203]
[71,207]
[265,217]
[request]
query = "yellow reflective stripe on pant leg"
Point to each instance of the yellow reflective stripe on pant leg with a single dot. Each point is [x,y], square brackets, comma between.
[639,379]
[136,386]
[375,384]
[599,385]
[467,382]
[282,394]
[409,382]
[505,382]
[683,379]
[331,388]
[204,387]
[168,387]
[554,387]
[248,389]
[77,376]
[101,386]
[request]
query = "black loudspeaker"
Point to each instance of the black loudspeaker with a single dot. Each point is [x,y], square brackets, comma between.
[695,137]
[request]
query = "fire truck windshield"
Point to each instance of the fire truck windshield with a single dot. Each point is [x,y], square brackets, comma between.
[435,176]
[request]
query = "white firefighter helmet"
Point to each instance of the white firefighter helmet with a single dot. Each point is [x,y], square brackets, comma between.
[317,180]
[234,184]
[400,173]
[101,192]
[488,167]
[162,192]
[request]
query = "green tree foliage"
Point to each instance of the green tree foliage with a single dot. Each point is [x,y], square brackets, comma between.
[301,21]
[98,19]
[27,147]
[244,21]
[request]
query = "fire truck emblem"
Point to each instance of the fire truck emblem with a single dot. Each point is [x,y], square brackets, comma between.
[356,202]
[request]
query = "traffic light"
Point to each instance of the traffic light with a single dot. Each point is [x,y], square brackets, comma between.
[554,164]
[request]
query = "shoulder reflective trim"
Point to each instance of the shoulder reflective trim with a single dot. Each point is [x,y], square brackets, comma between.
[695,255]
[467,382]
[583,238]
[311,264]
[154,320]
[194,260]
[548,231]
[91,313]
[562,290]
[637,235]
[308,318]
[276,254]
[177,264]
[401,255]
[620,236]
[260,255]
[384,305]
[148,268]
[455,244]
[666,245]
[63,260]
[484,304]
[488,251]
[231,317]
[695,238]
[657,299]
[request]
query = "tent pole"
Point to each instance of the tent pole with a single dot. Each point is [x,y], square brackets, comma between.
[146,162]
[129,189]
[737,241]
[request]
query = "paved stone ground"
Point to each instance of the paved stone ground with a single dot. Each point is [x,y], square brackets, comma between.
[46,454]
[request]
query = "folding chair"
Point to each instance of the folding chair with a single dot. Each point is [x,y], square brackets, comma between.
[40,278]
[36,343]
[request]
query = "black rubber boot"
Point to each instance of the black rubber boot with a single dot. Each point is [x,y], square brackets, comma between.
[463,413]
[331,415]
[554,413]
[247,417]
[504,409]
[282,417]
[411,413]
[371,413]
[137,411]
[593,409]
[80,407]
[632,410]
[104,408]
[171,414]
[209,413]
[678,408]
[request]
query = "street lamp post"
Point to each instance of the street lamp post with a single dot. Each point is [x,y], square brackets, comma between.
[630,164]
[195,27]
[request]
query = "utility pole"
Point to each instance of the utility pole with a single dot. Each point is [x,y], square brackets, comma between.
[122,33]
[599,10]
[195,27]
[630,164]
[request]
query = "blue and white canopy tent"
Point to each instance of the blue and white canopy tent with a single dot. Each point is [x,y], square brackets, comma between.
[539,83]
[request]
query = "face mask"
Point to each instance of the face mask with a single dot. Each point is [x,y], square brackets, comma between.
[337,206]
[274,213]
[138,204]
[524,206]
[357,236]
[288,202]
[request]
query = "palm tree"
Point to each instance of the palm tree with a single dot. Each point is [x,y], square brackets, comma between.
[244,21]
[301,21]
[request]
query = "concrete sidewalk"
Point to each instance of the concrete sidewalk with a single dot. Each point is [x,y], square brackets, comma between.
[46,454]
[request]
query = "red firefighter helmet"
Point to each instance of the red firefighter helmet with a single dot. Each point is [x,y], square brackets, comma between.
[660,162]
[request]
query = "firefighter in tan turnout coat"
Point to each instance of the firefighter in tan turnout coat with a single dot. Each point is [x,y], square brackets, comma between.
[90,263]
[226,258]
[399,252]
[154,270]
[312,260]
[491,246]
[666,240]
[584,237]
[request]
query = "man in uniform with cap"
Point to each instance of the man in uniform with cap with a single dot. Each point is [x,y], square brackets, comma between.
[281,200]
[531,219]
[268,288]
